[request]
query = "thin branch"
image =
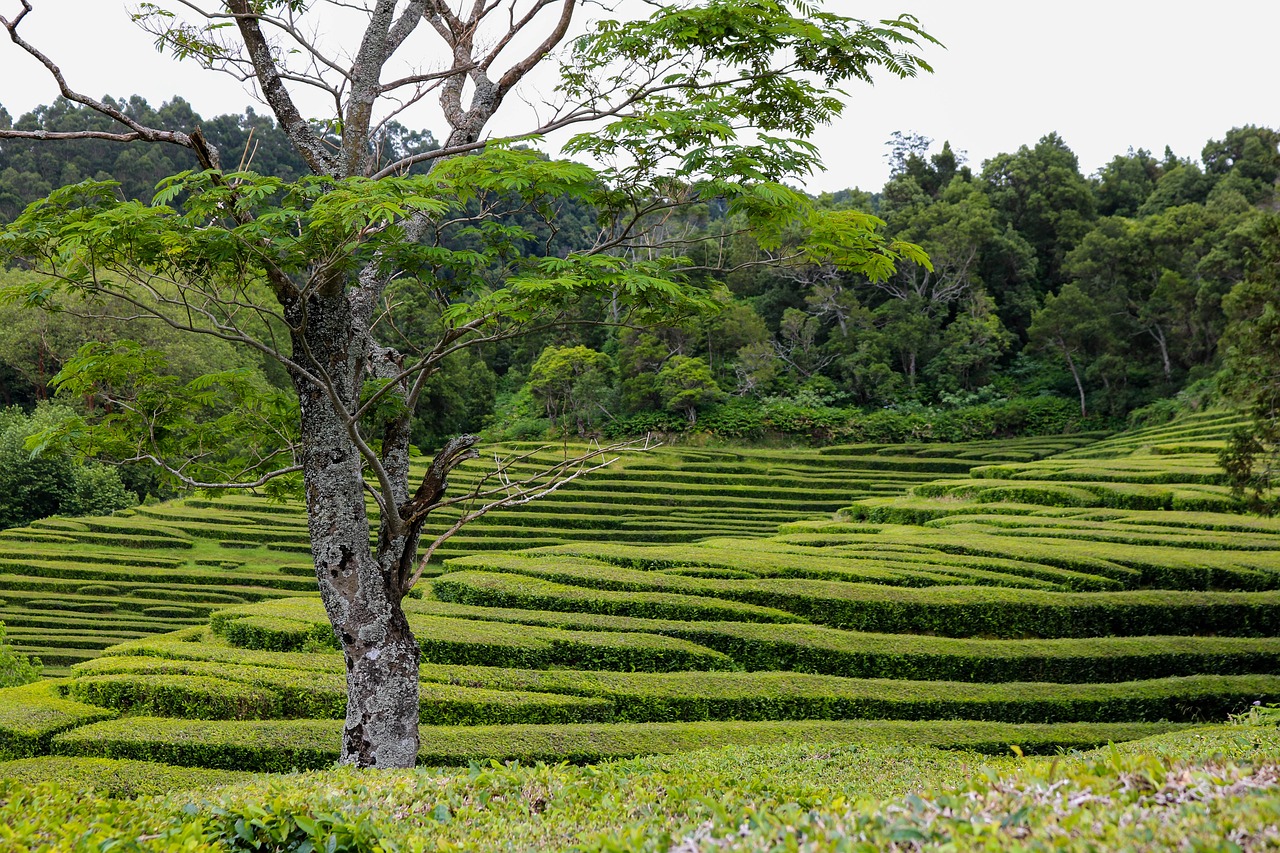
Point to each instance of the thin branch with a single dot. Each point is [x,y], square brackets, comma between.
[523,492]
[196,484]
[137,131]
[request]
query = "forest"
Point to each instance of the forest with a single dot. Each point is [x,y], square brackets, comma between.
[1052,300]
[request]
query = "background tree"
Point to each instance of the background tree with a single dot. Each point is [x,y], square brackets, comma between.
[15,669]
[573,385]
[1040,192]
[1251,377]
[686,385]
[40,484]
[1072,326]
[702,101]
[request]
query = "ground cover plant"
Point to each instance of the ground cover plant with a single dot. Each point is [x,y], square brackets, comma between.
[1204,788]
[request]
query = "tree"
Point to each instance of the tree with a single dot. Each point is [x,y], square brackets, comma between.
[573,384]
[1123,185]
[1071,325]
[687,385]
[1041,193]
[36,485]
[702,100]
[1251,375]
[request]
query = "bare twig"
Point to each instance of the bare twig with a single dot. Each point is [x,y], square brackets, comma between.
[517,492]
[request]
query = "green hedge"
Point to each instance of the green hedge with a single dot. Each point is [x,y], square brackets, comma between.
[660,697]
[32,714]
[799,570]
[877,562]
[272,633]
[293,624]
[119,779]
[504,590]
[249,585]
[942,610]
[212,697]
[283,745]
[819,649]
[1138,555]
[194,690]
[274,746]
[812,648]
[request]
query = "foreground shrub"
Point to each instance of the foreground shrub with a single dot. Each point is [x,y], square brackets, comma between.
[1202,789]
[15,669]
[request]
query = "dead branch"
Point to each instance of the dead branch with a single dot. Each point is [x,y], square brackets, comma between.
[518,492]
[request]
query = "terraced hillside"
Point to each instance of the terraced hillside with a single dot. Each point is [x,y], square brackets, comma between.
[1044,603]
[74,587]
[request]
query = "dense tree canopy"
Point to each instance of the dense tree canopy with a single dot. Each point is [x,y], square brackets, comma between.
[1160,250]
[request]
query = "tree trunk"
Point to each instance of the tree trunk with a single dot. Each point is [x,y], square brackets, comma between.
[1157,332]
[1075,374]
[361,592]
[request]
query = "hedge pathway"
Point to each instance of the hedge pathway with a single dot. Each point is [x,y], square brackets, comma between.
[1062,595]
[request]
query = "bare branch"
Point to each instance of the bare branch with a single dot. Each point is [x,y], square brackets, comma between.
[516,493]
[196,484]
[137,131]
[310,146]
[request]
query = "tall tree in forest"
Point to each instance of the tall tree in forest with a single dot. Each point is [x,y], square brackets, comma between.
[701,100]
[1071,325]
[1040,192]
[1251,378]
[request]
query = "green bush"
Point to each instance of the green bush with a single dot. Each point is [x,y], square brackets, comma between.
[503,590]
[117,779]
[283,745]
[32,714]
[15,669]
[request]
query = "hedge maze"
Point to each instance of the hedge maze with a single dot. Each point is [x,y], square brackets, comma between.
[72,587]
[1048,593]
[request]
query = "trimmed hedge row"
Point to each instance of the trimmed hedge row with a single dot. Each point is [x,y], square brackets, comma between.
[504,590]
[823,650]
[295,624]
[32,714]
[599,575]
[1178,559]
[655,697]
[964,611]
[118,779]
[204,690]
[819,649]
[283,745]
[211,697]
[793,577]
[98,556]
[245,584]
[790,557]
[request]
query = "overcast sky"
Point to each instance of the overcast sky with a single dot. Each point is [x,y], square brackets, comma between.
[1105,74]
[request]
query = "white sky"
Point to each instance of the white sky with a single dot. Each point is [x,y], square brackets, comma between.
[1105,74]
